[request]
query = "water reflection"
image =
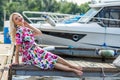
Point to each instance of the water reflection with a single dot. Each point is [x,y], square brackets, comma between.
[43,78]
[62,78]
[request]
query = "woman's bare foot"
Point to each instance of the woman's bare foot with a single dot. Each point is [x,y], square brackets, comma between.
[79,73]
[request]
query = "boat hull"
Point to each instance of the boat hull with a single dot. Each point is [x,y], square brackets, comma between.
[76,36]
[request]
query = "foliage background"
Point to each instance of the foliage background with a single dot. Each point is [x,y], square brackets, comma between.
[10,6]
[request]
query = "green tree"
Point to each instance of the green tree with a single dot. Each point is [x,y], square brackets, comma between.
[84,8]
[71,8]
[2,4]
[14,7]
[11,6]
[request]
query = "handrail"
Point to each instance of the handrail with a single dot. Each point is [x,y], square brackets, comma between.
[55,16]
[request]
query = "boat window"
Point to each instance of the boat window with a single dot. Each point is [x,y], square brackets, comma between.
[108,17]
[87,17]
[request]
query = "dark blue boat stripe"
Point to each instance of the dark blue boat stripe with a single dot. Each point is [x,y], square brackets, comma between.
[74,37]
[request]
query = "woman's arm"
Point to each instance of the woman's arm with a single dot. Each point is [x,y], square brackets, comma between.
[35,30]
[17,54]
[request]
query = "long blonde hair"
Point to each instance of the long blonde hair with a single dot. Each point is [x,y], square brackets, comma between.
[12,27]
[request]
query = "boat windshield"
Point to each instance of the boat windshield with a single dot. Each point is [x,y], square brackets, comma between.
[90,14]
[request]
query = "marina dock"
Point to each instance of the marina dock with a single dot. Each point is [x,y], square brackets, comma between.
[6,55]
[91,67]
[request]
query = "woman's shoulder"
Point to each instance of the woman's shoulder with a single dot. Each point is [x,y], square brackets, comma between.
[23,29]
[20,29]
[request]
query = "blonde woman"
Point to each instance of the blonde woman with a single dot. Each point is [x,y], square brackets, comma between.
[22,36]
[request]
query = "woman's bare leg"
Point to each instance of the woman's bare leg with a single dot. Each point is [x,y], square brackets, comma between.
[65,62]
[66,68]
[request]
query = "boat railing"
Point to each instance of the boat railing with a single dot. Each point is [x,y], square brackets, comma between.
[32,16]
[38,17]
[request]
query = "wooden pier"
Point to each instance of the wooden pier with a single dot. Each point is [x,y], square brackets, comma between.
[6,54]
[92,67]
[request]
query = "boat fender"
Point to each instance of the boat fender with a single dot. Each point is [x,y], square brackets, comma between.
[50,20]
[107,53]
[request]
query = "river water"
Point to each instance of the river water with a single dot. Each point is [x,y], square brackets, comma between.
[43,78]
[62,78]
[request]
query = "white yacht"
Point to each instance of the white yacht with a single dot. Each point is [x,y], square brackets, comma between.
[95,34]
[99,27]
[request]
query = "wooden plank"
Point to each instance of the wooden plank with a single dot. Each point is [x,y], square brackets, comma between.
[101,65]
[3,57]
[1,71]
[4,48]
[112,66]
[106,65]
[92,64]
[2,62]
[96,65]
[81,63]
[35,71]
[5,75]
[72,62]
[4,70]
[99,69]
[85,63]
[11,52]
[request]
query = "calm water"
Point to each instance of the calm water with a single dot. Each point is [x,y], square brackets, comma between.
[62,78]
[43,78]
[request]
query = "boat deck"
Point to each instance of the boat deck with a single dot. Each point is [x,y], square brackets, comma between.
[92,67]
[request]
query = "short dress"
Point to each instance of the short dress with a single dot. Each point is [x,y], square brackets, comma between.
[31,53]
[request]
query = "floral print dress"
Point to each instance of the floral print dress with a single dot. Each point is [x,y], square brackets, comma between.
[31,53]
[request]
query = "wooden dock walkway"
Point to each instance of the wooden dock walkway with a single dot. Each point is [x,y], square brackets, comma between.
[6,54]
[91,67]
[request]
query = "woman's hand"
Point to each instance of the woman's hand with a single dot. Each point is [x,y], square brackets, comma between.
[35,30]
[26,24]
[14,64]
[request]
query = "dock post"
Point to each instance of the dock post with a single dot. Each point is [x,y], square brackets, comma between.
[10,74]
